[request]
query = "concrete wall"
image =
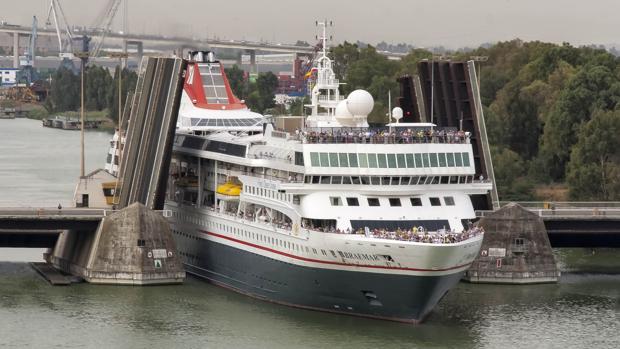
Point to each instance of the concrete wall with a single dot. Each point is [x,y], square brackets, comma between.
[515,249]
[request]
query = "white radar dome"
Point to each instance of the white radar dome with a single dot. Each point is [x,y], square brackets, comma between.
[360,103]
[397,113]
[342,111]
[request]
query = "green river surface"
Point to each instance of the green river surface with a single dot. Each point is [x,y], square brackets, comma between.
[39,167]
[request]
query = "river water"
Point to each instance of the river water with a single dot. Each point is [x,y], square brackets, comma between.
[38,166]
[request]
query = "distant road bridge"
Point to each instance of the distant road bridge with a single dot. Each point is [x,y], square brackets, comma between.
[176,43]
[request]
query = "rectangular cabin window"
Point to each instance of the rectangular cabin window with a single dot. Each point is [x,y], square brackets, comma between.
[414,180]
[405,180]
[325,179]
[314,159]
[415,201]
[324,159]
[445,179]
[316,179]
[385,180]
[395,181]
[333,159]
[375,180]
[454,179]
[410,161]
[450,159]
[458,161]
[352,160]
[373,202]
[425,161]
[352,202]
[363,158]
[299,158]
[337,180]
[344,159]
[433,157]
[435,201]
[346,180]
[391,158]
[382,160]
[372,160]
[394,202]
[365,180]
[400,159]
[442,159]
[448,200]
[466,159]
[355,180]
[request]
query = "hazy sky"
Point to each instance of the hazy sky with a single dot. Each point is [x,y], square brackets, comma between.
[452,23]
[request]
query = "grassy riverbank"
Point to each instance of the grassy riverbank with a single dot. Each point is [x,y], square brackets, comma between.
[37,112]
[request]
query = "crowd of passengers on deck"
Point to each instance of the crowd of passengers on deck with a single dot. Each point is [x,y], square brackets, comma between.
[415,234]
[383,136]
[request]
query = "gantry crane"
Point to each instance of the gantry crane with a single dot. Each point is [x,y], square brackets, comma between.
[100,29]
[65,39]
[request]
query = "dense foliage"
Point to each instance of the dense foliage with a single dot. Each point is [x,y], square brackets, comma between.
[551,111]
[100,90]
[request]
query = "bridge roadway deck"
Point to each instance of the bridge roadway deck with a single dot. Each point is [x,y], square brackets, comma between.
[39,227]
[578,225]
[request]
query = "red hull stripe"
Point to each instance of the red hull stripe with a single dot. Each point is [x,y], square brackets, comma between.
[326,262]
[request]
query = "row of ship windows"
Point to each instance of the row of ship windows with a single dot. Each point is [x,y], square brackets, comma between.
[380,160]
[385,180]
[394,202]
[278,242]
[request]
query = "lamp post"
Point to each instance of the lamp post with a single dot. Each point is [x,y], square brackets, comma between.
[83,55]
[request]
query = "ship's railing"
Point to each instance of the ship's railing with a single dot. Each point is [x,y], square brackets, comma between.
[420,235]
[380,136]
[441,236]
[331,98]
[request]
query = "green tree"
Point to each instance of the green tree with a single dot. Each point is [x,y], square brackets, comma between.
[297,105]
[343,56]
[261,93]
[510,175]
[97,82]
[594,168]
[128,83]
[65,91]
[236,78]
[593,87]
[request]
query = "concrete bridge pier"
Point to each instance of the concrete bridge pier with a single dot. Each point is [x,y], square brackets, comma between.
[16,50]
[139,49]
[253,66]
[133,246]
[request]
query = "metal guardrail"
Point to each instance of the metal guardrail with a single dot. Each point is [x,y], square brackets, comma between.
[568,212]
[564,204]
[70,211]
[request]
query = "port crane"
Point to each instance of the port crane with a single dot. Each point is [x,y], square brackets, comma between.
[63,31]
[66,36]
[28,62]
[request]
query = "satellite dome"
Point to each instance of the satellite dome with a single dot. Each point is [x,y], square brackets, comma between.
[397,113]
[360,103]
[342,111]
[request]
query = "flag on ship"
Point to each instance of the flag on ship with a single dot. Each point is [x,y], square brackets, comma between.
[309,73]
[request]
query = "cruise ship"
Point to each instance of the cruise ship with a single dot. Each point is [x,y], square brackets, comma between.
[333,216]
